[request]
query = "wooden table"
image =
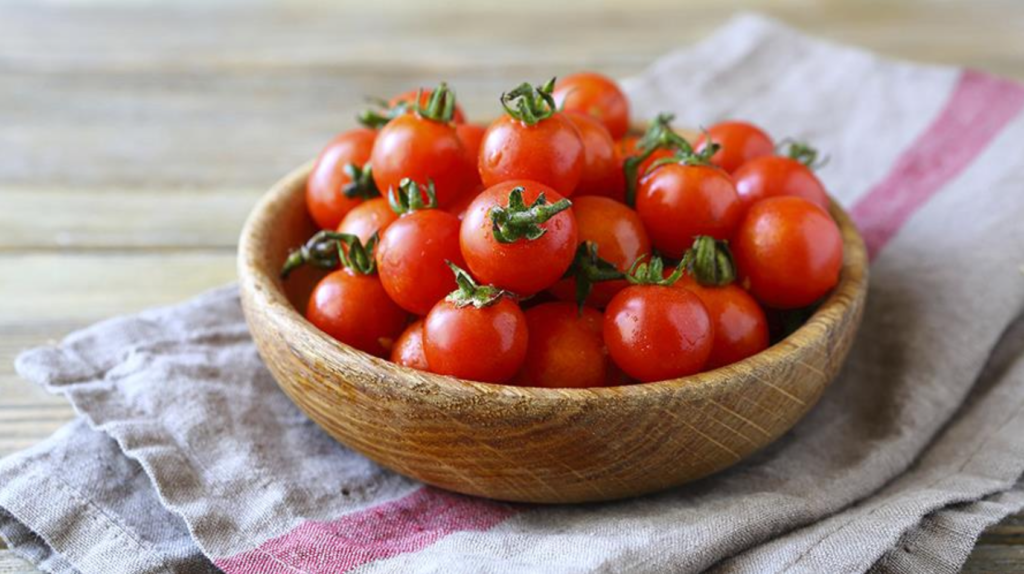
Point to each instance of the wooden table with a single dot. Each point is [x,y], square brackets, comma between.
[134,139]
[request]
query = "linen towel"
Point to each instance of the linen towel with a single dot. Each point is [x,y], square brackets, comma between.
[187,458]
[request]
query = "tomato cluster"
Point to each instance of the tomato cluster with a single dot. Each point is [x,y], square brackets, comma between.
[553,248]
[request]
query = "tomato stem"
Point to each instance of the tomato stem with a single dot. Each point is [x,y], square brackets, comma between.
[469,292]
[381,113]
[440,107]
[652,272]
[710,262]
[519,220]
[409,196]
[659,135]
[588,268]
[802,152]
[361,182]
[531,104]
[329,249]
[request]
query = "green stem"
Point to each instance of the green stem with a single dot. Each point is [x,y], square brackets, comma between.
[529,104]
[803,152]
[329,249]
[587,269]
[519,220]
[710,262]
[652,272]
[440,107]
[469,292]
[658,136]
[360,183]
[409,196]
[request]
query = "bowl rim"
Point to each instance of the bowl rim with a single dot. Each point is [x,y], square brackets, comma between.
[266,290]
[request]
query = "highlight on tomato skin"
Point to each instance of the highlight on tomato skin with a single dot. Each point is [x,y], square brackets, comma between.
[602,164]
[325,199]
[565,347]
[486,344]
[549,152]
[773,176]
[597,96]
[354,308]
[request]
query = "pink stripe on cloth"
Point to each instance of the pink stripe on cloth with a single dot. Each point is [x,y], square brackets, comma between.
[404,525]
[980,106]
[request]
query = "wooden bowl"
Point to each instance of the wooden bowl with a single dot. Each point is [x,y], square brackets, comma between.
[529,444]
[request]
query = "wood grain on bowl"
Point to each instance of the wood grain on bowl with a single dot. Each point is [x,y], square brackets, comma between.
[527,444]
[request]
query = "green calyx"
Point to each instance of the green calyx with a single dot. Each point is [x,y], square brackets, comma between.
[802,152]
[652,272]
[469,292]
[330,249]
[361,184]
[658,136]
[710,262]
[440,107]
[588,268]
[409,196]
[381,113]
[519,220]
[529,104]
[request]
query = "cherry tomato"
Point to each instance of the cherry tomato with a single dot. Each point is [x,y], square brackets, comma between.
[408,349]
[740,326]
[772,176]
[369,217]
[485,344]
[412,258]
[326,201]
[656,332]
[354,309]
[678,202]
[521,265]
[565,347]
[602,166]
[410,96]
[620,237]
[549,152]
[595,95]
[740,141]
[627,147]
[788,251]
[423,149]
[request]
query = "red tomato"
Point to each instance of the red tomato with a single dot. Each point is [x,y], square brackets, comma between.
[408,349]
[656,332]
[627,147]
[412,258]
[565,347]
[740,141]
[410,97]
[678,202]
[458,209]
[354,309]
[549,152]
[788,251]
[772,176]
[485,344]
[521,265]
[620,238]
[423,149]
[602,166]
[325,199]
[595,95]
[371,216]
[740,326]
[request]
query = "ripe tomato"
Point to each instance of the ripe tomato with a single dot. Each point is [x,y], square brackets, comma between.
[459,207]
[740,325]
[325,189]
[565,347]
[535,143]
[409,98]
[408,349]
[353,308]
[740,141]
[476,333]
[595,95]
[772,176]
[658,332]
[412,258]
[627,146]
[620,238]
[423,148]
[788,251]
[602,166]
[371,216]
[496,236]
[678,202]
